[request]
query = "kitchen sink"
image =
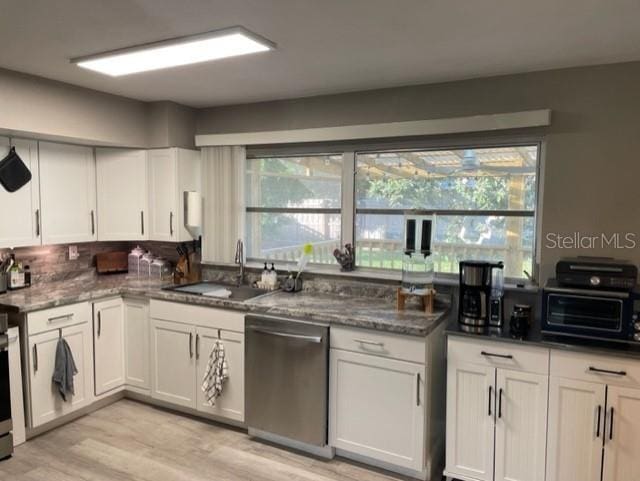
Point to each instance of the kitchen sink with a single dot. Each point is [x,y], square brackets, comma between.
[209,289]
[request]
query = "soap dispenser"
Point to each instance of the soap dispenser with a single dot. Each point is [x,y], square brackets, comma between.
[273,277]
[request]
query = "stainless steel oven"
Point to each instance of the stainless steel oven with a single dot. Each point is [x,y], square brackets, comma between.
[591,313]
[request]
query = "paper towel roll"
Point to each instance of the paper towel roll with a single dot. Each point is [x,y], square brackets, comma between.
[193,213]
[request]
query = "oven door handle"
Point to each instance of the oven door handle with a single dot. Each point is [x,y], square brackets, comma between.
[299,337]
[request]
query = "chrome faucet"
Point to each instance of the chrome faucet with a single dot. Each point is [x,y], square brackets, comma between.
[240,261]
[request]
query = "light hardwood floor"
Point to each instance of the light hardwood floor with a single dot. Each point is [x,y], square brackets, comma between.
[132,441]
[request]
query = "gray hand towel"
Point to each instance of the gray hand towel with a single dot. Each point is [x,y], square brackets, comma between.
[65,369]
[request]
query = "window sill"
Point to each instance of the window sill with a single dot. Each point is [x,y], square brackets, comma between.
[361,274]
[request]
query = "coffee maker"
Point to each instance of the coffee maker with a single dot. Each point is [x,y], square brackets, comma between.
[480,294]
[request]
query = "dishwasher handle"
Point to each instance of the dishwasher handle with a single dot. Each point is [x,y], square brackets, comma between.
[300,337]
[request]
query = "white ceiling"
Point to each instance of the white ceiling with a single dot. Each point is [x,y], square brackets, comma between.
[324,46]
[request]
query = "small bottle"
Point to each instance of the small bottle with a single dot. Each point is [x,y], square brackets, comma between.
[27,276]
[273,277]
[16,275]
[265,275]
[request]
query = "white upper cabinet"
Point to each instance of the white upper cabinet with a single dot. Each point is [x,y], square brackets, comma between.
[68,193]
[21,209]
[122,194]
[171,172]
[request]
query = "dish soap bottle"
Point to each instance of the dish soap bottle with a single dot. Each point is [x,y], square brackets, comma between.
[265,275]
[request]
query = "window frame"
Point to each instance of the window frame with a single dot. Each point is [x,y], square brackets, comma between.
[348,210]
[294,210]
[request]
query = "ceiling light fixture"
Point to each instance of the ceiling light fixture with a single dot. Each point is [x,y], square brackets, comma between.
[204,47]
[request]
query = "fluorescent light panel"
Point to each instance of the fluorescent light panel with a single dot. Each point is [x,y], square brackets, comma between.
[172,53]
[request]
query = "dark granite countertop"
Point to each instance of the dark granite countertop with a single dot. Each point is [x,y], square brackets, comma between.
[364,312]
[536,338]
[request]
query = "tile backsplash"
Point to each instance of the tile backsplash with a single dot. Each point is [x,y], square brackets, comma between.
[52,263]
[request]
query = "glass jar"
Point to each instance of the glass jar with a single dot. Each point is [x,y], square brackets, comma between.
[133,261]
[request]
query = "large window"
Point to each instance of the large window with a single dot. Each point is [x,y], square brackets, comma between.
[483,200]
[292,201]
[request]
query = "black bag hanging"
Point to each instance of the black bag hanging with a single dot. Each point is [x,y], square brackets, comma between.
[13,173]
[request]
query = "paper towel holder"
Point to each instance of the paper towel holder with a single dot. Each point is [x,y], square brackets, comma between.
[193,213]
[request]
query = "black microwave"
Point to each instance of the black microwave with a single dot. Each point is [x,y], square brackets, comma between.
[591,313]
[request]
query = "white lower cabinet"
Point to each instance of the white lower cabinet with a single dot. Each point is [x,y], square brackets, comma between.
[594,426]
[46,404]
[231,404]
[622,438]
[470,420]
[173,353]
[576,412]
[496,411]
[136,344]
[182,338]
[377,408]
[15,385]
[108,345]
[521,418]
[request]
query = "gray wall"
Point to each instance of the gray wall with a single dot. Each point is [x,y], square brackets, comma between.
[591,167]
[39,108]
[170,125]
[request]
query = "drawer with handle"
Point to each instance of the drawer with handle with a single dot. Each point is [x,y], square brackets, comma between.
[611,370]
[367,341]
[58,317]
[499,354]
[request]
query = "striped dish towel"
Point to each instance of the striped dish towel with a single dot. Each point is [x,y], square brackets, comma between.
[216,373]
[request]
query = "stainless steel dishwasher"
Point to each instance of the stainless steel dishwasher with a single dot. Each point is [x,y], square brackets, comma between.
[287,374]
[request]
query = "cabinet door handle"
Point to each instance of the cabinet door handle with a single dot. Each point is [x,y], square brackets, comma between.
[99,324]
[500,403]
[611,425]
[142,222]
[171,223]
[418,389]
[37,222]
[491,354]
[59,318]
[607,371]
[191,345]
[197,346]
[598,421]
[93,223]
[35,358]
[369,343]
[490,395]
